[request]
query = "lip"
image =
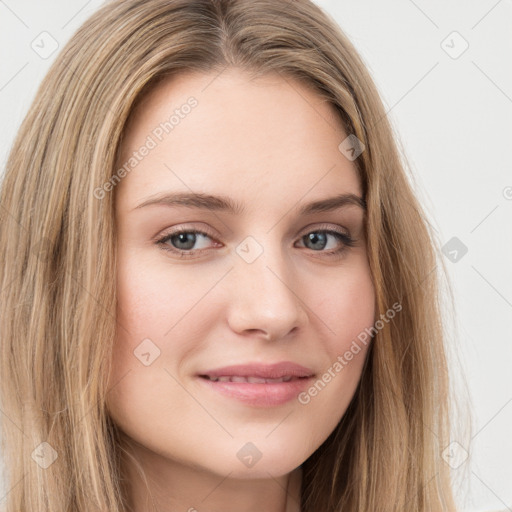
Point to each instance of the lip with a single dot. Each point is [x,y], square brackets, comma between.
[260,394]
[264,371]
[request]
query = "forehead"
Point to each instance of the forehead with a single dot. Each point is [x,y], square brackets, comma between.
[260,138]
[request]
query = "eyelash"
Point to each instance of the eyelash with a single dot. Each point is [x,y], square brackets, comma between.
[347,241]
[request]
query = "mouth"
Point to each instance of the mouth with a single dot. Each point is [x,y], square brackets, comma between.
[258,385]
[285,370]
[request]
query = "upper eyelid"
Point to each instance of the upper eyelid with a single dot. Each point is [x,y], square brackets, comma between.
[318,227]
[308,229]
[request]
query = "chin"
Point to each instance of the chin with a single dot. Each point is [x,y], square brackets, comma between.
[260,471]
[273,464]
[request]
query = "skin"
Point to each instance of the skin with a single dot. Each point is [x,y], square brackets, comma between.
[271,144]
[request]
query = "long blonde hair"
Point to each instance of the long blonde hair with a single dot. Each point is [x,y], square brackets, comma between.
[57,261]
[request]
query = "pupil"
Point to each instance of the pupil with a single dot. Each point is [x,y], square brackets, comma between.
[314,237]
[182,238]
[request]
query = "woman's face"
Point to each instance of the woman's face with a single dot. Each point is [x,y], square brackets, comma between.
[265,284]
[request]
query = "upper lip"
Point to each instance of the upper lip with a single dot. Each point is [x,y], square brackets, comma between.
[264,371]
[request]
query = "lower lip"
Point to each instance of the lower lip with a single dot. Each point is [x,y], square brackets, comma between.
[259,394]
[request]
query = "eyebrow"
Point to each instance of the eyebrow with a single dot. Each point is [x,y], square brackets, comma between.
[226,204]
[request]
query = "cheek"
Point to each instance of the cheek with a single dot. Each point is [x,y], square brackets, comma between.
[143,391]
[347,307]
[154,308]
[152,300]
[347,312]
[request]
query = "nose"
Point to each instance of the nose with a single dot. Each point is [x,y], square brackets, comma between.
[265,300]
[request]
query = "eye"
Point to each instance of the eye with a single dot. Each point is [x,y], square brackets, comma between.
[182,242]
[318,241]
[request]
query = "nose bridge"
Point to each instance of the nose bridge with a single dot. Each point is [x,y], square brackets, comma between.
[264,296]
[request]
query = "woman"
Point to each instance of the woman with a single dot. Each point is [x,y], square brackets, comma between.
[293,359]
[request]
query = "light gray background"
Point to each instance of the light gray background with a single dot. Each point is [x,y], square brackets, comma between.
[452,113]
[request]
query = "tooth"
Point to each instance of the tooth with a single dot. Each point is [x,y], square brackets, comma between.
[256,380]
[253,380]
